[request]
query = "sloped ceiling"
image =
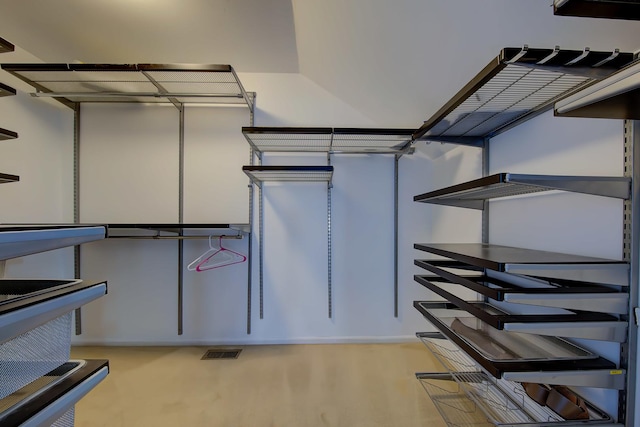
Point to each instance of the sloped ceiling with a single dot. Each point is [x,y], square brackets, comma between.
[251,35]
[395,61]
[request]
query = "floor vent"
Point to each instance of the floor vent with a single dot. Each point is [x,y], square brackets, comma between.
[231,353]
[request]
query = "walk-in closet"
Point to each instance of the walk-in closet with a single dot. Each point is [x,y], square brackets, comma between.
[341,213]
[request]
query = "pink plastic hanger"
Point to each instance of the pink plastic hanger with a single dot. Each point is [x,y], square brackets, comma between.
[221,257]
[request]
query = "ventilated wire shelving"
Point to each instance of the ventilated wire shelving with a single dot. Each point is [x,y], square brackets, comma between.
[517,85]
[329,140]
[140,83]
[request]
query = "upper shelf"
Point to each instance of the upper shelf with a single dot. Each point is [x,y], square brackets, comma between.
[18,240]
[533,262]
[329,140]
[260,174]
[5,46]
[5,177]
[472,194]
[613,9]
[115,230]
[6,90]
[143,83]
[515,86]
[615,97]
[7,134]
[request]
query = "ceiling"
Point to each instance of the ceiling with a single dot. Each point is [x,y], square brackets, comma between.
[395,61]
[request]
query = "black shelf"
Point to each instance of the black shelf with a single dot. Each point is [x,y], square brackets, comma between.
[146,83]
[29,303]
[7,134]
[6,90]
[5,46]
[615,97]
[47,399]
[329,140]
[474,193]
[556,293]
[260,174]
[610,9]
[498,258]
[535,362]
[560,322]
[174,227]
[5,178]
[533,262]
[18,240]
[515,86]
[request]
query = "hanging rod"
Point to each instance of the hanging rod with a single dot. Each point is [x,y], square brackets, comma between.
[222,236]
[132,94]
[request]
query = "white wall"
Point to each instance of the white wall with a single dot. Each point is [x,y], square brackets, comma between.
[129,174]
[42,156]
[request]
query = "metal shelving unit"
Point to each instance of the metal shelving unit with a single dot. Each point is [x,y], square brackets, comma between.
[473,194]
[592,295]
[516,86]
[261,174]
[177,84]
[396,142]
[612,9]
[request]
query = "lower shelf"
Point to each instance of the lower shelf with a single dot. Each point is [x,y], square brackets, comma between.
[475,399]
[50,397]
[465,396]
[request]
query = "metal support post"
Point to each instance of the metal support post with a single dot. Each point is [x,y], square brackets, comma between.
[395,234]
[329,284]
[250,244]
[261,247]
[631,243]
[180,218]
[76,206]
[485,172]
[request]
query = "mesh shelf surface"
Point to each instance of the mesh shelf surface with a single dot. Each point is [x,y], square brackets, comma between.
[516,85]
[31,355]
[260,174]
[146,83]
[503,403]
[328,140]
[472,194]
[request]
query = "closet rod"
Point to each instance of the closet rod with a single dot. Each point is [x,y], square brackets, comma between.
[132,94]
[223,236]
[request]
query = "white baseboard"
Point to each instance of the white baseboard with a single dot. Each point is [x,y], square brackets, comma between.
[78,341]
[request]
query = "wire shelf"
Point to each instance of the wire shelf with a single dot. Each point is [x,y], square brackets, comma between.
[328,140]
[501,402]
[515,86]
[260,174]
[143,83]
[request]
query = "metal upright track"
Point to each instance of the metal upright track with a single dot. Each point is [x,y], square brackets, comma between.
[180,217]
[329,283]
[631,241]
[76,207]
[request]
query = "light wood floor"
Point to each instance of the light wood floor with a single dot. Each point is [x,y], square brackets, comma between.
[348,385]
